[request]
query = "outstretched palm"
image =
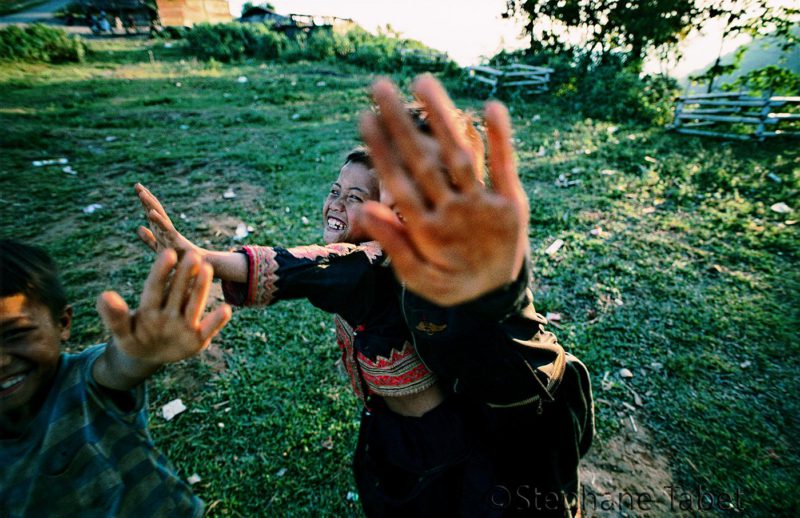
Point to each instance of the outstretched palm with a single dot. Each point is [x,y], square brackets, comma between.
[459,240]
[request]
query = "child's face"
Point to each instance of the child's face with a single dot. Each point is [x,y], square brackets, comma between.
[355,185]
[30,344]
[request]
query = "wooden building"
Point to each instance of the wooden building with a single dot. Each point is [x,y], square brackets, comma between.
[185,13]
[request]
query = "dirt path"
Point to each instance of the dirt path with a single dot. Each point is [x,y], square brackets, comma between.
[626,476]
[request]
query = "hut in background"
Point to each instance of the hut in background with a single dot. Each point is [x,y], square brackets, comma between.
[185,13]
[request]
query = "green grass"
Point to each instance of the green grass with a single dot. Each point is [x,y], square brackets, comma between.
[698,297]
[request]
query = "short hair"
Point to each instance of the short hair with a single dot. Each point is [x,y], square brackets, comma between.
[31,271]
[359,155]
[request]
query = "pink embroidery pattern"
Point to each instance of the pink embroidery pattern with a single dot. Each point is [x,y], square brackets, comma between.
[371,249]
[263,275]
[344,338]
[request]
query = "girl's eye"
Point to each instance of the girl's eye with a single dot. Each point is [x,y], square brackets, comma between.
[353,197]
[334,192]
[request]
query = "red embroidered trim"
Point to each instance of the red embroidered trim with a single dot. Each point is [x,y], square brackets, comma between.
[262,275]
[401,374]
[345,338]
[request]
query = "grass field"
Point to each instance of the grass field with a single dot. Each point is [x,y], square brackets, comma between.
[692,285]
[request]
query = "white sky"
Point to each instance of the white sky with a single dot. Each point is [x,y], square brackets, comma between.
[465,29]
[468,29]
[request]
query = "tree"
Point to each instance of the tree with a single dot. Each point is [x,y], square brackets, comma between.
[753,17]
[633,28]
[627,26]
[249,5]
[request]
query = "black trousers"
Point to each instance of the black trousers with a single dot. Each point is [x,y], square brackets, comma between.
[469,459]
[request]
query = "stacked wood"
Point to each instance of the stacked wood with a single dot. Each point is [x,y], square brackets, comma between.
[517,76]
[730,115]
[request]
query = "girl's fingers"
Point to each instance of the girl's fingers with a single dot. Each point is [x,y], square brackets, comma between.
[164,224]
[179,287]
[502,169]
[214,322]
[407,197]
[198,295]
[454,148]
[382,224]
[147,238]
[115,314]
[154,286]
[419,160]
[150,202]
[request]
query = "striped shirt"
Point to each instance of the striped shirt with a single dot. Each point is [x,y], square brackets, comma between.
[82,455]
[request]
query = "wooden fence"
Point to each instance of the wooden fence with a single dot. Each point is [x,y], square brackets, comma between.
[526,77]
[733,115]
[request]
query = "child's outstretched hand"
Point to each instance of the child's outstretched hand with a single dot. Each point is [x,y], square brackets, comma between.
[162,233]
[167,326]
[460,240]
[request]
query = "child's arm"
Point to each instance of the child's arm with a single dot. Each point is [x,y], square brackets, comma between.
[162,234]
[460,240]
[168,325]
[327,276]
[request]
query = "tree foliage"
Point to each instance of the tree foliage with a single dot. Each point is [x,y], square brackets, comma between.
[636,27]
[754,18]
[249,5]
[605,26]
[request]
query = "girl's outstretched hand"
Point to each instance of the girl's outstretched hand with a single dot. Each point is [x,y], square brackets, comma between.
[161,233]
[458,239]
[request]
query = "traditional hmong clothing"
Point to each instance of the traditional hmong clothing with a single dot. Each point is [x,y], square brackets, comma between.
[525,404]
[415,466]
[352,282]
[535,398]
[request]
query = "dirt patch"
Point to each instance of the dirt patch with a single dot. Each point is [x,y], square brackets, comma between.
[245,194]
[188,379]
[626,476]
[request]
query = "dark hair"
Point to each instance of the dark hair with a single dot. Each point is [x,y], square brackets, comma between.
[30,270]
[359,155]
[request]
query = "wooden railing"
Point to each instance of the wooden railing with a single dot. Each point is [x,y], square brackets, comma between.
[732,115]
[518,76]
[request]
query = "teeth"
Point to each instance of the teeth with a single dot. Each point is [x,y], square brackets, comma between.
[335,224]
[10,382]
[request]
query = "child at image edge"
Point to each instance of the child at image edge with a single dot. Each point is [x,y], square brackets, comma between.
[73,427]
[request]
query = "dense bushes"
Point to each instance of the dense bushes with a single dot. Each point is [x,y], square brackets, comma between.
[233,41]
[38,43]
[608,91]
[228,42]
[602,88]
[768,80]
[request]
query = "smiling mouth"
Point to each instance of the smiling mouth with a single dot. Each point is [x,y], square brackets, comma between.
[336,224]
[10,384]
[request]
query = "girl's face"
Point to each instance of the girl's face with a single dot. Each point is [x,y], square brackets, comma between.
[355,185]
